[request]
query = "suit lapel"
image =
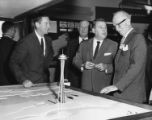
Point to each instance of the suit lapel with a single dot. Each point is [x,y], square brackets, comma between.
[47,43]
[118,55]
[37,43]
[127,40]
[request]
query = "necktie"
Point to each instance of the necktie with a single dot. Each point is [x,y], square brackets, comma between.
[97,49]
[42,44]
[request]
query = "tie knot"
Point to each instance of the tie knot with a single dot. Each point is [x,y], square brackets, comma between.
[98,42]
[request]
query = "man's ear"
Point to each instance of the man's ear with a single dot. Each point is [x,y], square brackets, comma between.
[36,24]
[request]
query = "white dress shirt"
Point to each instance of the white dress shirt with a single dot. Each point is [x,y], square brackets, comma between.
[81,39]
[95,44]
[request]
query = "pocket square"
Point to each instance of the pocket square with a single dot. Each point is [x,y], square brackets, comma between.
[123,47]
[107,54]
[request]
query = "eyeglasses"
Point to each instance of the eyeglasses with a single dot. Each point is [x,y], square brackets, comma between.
[118,24]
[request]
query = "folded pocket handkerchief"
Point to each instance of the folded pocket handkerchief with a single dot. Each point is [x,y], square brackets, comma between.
[123,47]
[107,54]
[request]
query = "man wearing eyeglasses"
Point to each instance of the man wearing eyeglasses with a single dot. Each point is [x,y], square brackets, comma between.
[129,77]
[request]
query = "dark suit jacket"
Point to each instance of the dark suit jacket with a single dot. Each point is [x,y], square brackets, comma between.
[71,72]
[28,61]
[95,80]
[6,48]
[130,69]
[149,68]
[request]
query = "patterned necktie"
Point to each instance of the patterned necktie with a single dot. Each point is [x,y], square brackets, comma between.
[97,49]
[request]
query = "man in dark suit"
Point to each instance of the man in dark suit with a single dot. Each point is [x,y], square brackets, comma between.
[71,72]
[33,54]
[129,77]
[95,59]
[148,35]
[6,47]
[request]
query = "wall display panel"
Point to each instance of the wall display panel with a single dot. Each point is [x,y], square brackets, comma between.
[53,26]
[63,26]
[68,26]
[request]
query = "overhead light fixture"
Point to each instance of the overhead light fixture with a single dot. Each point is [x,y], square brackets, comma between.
[148,8]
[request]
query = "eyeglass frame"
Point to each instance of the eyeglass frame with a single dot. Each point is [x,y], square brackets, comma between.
[118,24]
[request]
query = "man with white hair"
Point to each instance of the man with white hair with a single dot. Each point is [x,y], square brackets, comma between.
[83,30]
[129,77]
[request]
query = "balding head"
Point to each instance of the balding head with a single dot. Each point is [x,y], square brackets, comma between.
[120,15]
[122,22]
[84,28]
[84,23]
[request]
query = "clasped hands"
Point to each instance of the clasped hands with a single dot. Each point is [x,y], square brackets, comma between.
[90,65]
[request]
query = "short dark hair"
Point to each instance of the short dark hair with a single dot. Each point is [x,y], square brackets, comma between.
[7,25]
[37,18]
[98,20]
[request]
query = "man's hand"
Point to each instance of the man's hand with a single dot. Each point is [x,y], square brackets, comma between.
[89,65]
[27,84]
[109,89]
[101,66]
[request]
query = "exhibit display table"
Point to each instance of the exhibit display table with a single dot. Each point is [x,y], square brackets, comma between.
[41,103]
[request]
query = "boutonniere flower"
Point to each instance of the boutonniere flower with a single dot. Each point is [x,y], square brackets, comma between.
[123,47]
